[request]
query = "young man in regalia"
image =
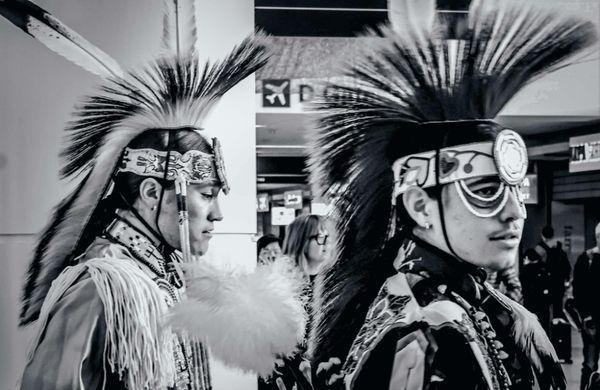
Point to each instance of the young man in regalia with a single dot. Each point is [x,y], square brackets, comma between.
[108,268]
[428,195]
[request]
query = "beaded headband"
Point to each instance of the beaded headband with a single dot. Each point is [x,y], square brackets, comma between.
[506,157]
[194,166]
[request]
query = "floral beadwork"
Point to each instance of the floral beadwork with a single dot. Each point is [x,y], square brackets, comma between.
[387,310]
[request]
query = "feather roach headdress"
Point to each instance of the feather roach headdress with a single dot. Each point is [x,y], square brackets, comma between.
[174,92]
[410,91]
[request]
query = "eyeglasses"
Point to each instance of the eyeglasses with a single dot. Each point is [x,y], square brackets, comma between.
[321,238]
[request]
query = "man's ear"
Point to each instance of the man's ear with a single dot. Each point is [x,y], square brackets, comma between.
[417,204]
[149,193]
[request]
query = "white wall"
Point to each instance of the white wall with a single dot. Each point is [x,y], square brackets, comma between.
[572,91]
[37,92]
[222,24]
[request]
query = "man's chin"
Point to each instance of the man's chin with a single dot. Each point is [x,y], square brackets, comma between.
[199,249]
[502,263]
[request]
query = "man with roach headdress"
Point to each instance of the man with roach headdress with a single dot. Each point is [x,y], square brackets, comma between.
[428,194]
[110,265]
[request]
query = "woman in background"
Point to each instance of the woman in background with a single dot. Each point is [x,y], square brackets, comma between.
[307,243]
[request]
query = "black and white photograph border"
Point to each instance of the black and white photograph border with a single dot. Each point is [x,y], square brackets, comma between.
[271,129]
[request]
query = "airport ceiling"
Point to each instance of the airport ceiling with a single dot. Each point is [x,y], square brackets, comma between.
[337,20]
[328,18]
[282,137]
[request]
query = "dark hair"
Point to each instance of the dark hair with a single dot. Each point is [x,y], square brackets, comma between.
[127,184]
[266,240]
[547,232]
[298,234]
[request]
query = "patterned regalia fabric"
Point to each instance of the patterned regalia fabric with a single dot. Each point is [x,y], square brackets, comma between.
[436,323]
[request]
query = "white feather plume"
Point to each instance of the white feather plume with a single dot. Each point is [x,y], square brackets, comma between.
[59,38]
[180,31]
[413,14]
[247,321]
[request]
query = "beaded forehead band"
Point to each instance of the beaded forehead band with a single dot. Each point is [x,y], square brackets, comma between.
[194,166]
[506,157]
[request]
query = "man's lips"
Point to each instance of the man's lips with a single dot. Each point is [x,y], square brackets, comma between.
[505,235]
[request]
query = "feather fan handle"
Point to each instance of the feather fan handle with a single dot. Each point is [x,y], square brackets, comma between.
[180,31]
[59,38]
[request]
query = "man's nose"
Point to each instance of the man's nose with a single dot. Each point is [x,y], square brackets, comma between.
[215,211]
[513,209]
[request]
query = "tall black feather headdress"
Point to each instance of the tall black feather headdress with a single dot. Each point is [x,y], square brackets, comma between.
[410,78]
[176,91]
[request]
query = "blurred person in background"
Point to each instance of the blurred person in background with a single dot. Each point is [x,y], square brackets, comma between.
[268,248]
[536,287]
[557,275]
[586,292]
[558,268]
[562,279]
[307,245]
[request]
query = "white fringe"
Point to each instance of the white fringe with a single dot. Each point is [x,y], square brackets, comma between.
[138,348]
[58,288]
[247,321]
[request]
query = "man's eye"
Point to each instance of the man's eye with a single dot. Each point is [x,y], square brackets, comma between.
[208,196]
[485,191]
